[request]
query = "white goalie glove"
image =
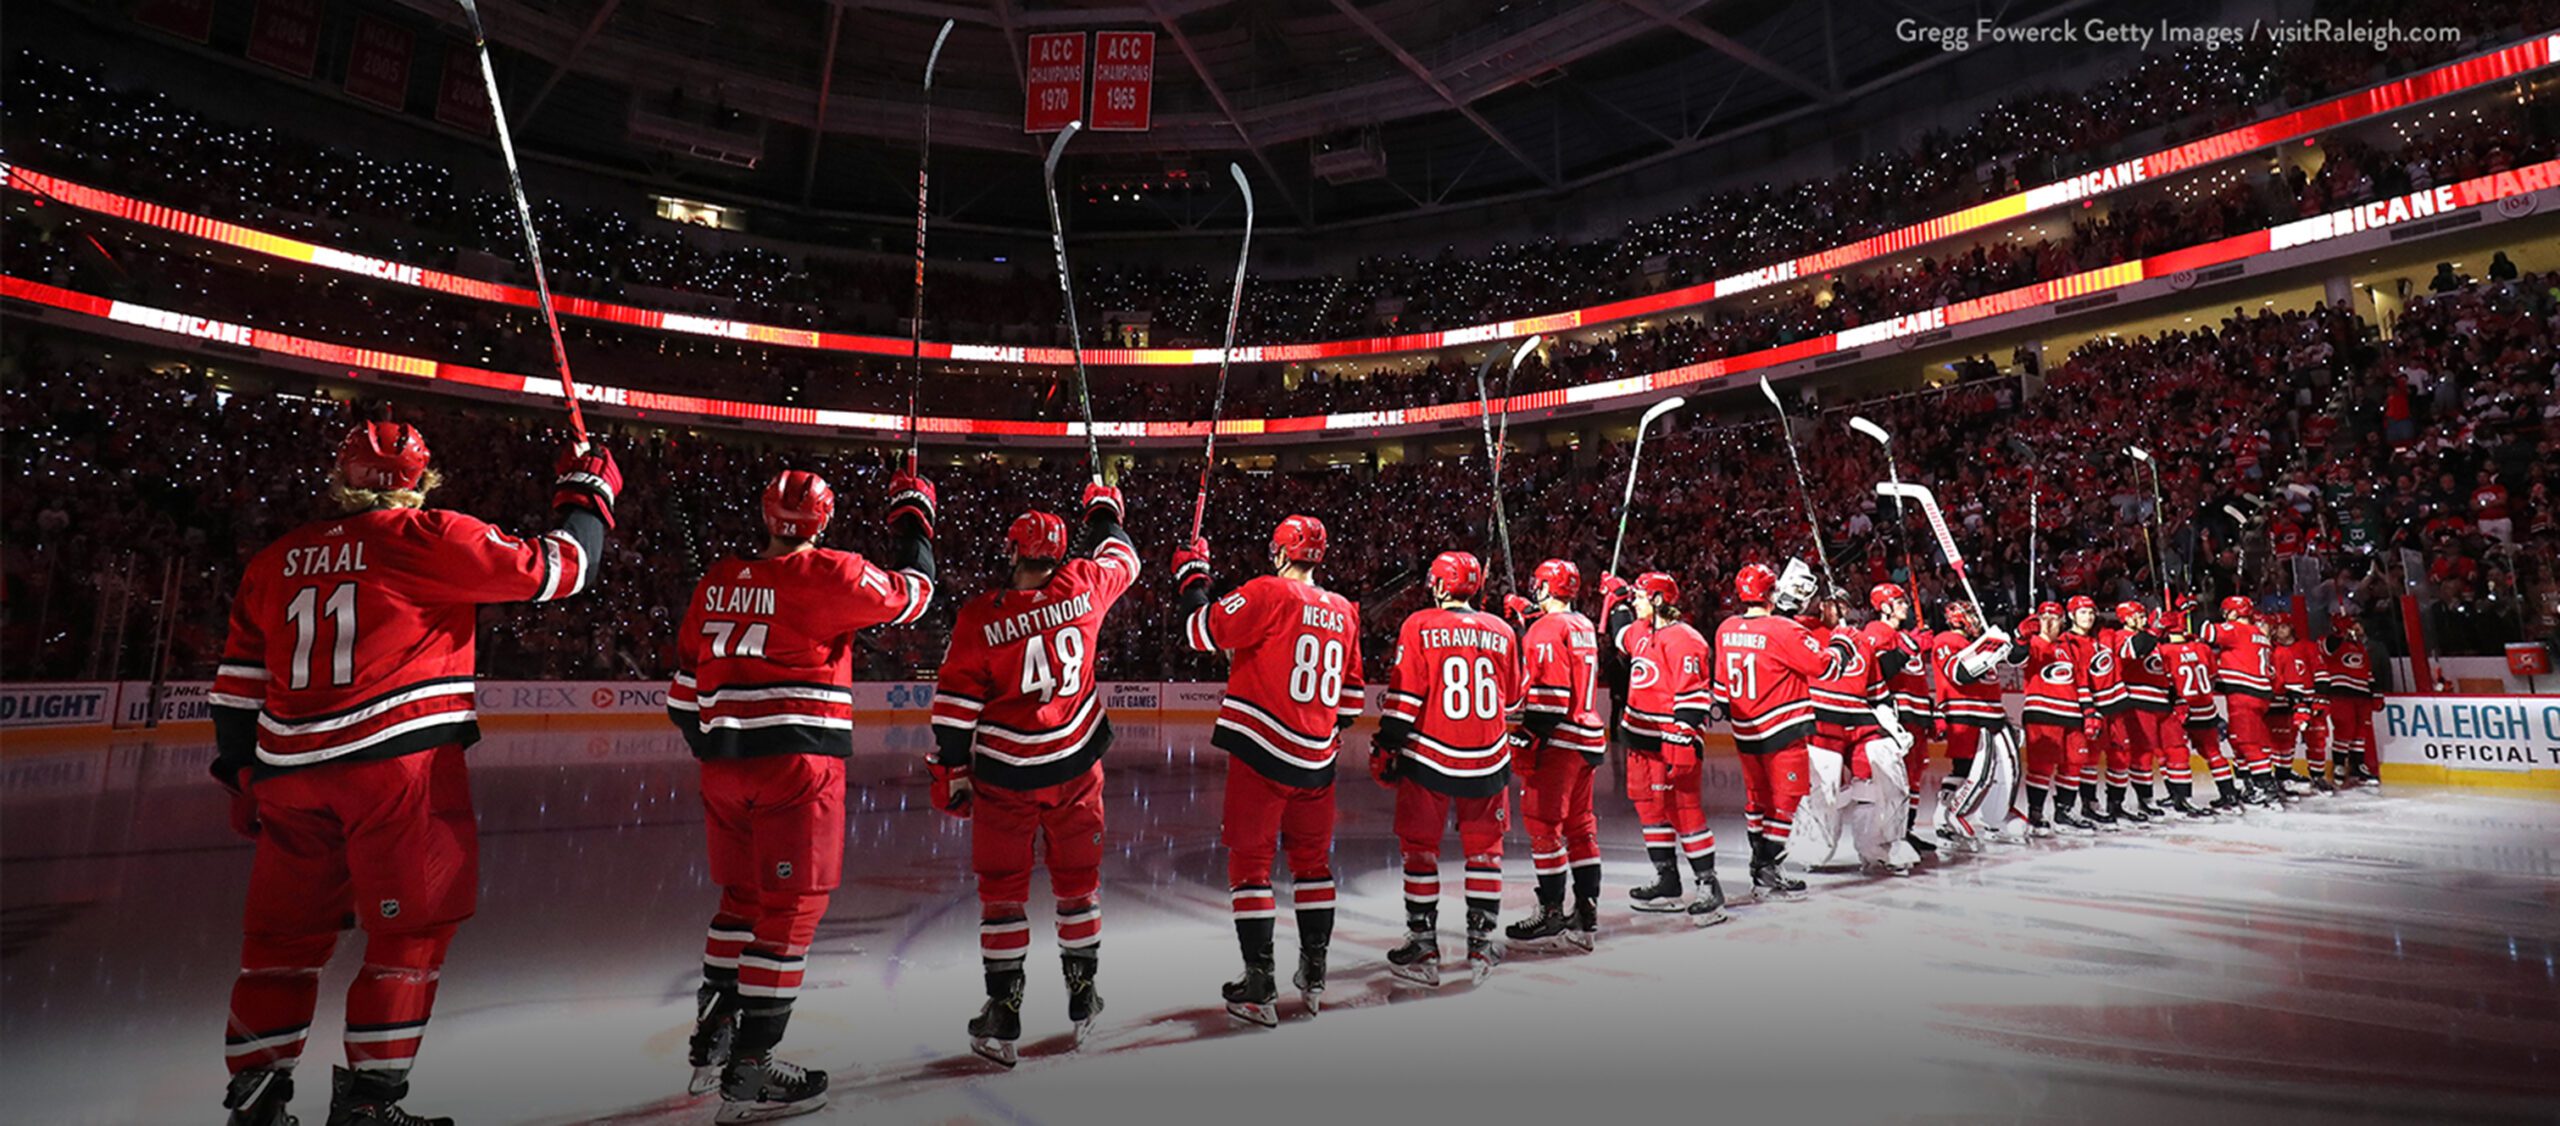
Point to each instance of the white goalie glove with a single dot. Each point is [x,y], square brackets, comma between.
[1796,587]
[1891,723]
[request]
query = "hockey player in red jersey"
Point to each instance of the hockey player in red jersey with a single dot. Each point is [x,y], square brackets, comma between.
[1978,797]
[2291,707]
[1915,704]
[2143,726]
[2056,713]
[341,709]
[2198,730]
[1444,746]
[763,695]
[1666,706]
[2245,671]
[1561,741]
[1765,665]
[1020,731]
[2346,688]
[1293,684]
[1855,756]
[2109,699]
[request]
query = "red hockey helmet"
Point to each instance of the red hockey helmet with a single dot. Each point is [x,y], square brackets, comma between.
[1299,539]
[1753,583]
[383,455]
[2044,608]
[1883,596]
[1556,578]
[798,504]
[1037,535]
[2236,605]
[2126,610]
[1456,574]
[1658,586]
[2081,602]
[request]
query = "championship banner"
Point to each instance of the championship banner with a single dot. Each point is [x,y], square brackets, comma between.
[1053,89]
[192,19]
[462,98]
[1124,81]
[2470,740]
[378,63]
[285,34]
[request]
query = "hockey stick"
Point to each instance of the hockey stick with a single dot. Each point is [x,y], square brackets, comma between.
[1968,798]
[2019,448]
[1226,355]
[524,220]
[1928,502]
[2159,532]
[1493,451]
[1804,492]
[1901,531]
[2240,543]
[1067,286]
[924,185]
[1634,459]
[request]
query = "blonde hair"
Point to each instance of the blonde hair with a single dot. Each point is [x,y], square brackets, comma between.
[348,498]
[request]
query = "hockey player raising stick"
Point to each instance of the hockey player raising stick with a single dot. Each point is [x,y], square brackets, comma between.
[1020,732]
[1561,741]
[340,711]
[1444,746]
[1293,683]
[1668,696]
[763,694]
[1765,666]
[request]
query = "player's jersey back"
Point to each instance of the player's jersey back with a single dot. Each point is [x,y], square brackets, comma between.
[2191,677]
[1764,671]
[1019,678]
[1963,698]
[352,637]
[764,659]
[1561,666]
[1294,675]
[2241,660]
[2148,681]
[1450,700]
[1846,692]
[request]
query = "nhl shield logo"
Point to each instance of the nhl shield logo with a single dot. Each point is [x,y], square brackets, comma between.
[781,869]
[390,908]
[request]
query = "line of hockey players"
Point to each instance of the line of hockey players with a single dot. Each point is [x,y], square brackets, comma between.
[344,703]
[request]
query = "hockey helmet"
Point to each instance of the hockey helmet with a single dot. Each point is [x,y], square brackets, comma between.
[798,504]
[1658,586]
[1456,574]
[1037,535]
[1556,578]
[1754,583]
[1299,539]
[383,455]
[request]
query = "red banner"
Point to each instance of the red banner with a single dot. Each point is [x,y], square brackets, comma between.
[378,63]
[1124,80]
[285,34]
[462,96]
[190,18]
[1053,91]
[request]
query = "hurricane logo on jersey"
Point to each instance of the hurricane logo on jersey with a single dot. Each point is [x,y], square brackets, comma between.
[2103,662]
[2057,672]
[1642,674]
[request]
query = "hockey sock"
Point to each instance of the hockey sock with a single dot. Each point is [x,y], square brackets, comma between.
[2062,799]
[2035,801]
[1421,895]
[1313,897]
[1484,885]
[1586,881]
[1079,923]
[2089,799]
[1254,908]
[731,930]
[1004,933]
[2115,798]
[391,997]
[761,1025]
[1550,889]
[272,1002]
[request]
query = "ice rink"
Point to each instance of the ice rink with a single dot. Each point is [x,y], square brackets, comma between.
[2368,957]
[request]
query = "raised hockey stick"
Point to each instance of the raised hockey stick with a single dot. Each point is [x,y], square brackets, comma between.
[2159,533]
[1635,459]
[1067,286]
[1226,355]
[1928,502]
[2240,541]
[1493,451]
[1901,531]
[524,222]
[924,186]
[1804,492]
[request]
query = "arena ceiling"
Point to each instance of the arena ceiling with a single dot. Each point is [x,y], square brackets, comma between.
[1467,100]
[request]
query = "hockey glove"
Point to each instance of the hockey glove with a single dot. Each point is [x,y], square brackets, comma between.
[911,496]
[1612,587]
[1191,565]
[951,787]
[2089,727]
[1517,609]
[589,481]
[1099,497]
[1385,765]
[244,807]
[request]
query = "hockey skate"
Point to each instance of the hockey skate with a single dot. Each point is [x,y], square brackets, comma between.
[372,1098]
[1925,847]
[2068,817]
[1707,908]
[257,1098]
[1254,997]
[2322,785]
[2183,804]
[998,1025]
[1583,932]
[2039,828]
[760,1090]
[1660,897]
[1417,961]
[1483,954]
[1310,978]
[1542,931]
[1084,1001]
[1768,882]
[715,1024]
[2105,820]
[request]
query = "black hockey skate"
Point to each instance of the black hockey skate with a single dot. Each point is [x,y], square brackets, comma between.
[1925,847]
[1769,882]
[1544,930]
[760,1090]
[1662,896]
[999,1022]
[2182,804]
[715,1024]
[372,1098]
[1084,1001]
[1310,978]
[257,1098]
[1417,961]
[2068,817]
[1583,931]
[1707,908]
[1254,998]
[2322,785]
[2039,828]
